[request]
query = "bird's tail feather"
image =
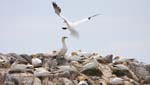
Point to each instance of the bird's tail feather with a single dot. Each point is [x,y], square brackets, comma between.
[74,34]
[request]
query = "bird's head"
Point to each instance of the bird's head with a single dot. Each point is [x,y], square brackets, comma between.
[113,76]
[63,38]
[79,50]
[34,56]
[74,54]
[117,58]
[54,51]
[83,81]
[81,78]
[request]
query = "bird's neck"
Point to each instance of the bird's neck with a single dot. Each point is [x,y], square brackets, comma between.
[63,43]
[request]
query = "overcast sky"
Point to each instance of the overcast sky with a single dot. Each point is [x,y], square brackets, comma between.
[31,26]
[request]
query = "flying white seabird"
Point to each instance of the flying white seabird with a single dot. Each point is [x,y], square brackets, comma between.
[70,25]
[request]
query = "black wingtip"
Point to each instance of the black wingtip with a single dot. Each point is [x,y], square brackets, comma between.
[54,4]
[89,18]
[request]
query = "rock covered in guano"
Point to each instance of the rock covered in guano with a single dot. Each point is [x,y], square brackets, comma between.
[75,69]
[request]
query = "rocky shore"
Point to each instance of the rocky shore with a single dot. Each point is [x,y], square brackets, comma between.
[76,69]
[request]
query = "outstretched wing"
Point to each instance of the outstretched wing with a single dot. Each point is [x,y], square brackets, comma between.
[56,8]
[84,20]
[93,16]
[58,12]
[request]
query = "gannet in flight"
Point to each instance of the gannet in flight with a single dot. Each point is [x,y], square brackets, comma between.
[70,25]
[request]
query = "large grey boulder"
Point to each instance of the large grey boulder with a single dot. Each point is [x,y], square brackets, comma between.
[140,71]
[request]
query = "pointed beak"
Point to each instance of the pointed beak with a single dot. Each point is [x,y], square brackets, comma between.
[65,37]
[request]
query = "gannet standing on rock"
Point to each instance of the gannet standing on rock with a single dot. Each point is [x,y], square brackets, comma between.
[84,54]
[20,68]
[4,62]
[74,57]
[105,60]
[83,83]
[70,25]
[53,54]
[63,50]
[116,80]
[120,60]
[61,53]
[36,61]
[42,74]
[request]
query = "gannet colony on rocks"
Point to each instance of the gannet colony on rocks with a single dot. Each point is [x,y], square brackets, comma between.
[91,70]
[78,68]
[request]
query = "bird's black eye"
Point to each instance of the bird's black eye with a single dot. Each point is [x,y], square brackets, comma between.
[64,28]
